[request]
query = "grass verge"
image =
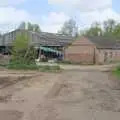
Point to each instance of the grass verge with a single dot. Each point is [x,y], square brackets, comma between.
[116,72]
[42,68]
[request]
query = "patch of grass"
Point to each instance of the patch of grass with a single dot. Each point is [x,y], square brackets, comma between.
[23,66]
[116,72]
[42,68]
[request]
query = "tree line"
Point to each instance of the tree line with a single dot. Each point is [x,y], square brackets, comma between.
[109,27]
[29,26]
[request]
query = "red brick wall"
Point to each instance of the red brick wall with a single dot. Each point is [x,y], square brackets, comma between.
[81,51]
[80,58]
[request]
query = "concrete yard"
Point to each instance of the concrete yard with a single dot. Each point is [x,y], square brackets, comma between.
[87,93]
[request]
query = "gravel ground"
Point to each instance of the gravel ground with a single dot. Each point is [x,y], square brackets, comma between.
[82,94]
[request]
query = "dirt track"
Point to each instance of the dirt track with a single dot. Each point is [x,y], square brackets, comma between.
[86,94]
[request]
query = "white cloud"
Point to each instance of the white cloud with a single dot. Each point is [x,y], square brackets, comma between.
[82,5]
[86,19]
[53,22]
[11,17]
[84,11]
[10,2]
[56,1]
[87,11]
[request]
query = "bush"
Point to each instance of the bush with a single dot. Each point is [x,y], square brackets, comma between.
[23,56]
[22,51]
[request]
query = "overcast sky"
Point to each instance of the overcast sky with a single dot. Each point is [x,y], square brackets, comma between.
[51,14]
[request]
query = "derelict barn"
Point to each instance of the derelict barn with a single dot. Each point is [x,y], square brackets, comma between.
[93,50]
[52,45]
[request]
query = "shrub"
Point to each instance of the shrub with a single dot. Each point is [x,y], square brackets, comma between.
[23,56]
[22,52]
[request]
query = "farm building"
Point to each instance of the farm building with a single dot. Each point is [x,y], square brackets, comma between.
[85,50]
[93,50]
[52,45]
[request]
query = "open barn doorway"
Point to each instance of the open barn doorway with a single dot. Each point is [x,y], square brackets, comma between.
[46,54]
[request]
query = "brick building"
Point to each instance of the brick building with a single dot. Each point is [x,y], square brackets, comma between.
[93,50]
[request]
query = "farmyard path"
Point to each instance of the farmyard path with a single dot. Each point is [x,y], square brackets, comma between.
[85,94]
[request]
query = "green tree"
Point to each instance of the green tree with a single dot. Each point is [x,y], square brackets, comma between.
[69,28]
[36,28]
[116,31]
[33,27]
[22,26]
[30,26]
[109,27]
[22,52]
[94,30]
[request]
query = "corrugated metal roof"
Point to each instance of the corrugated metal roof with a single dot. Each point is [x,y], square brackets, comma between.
[105,42]
[43,38]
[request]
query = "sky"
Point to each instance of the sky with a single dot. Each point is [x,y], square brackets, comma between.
[51,14]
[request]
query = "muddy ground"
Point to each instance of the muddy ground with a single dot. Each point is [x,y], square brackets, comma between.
[75,94]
